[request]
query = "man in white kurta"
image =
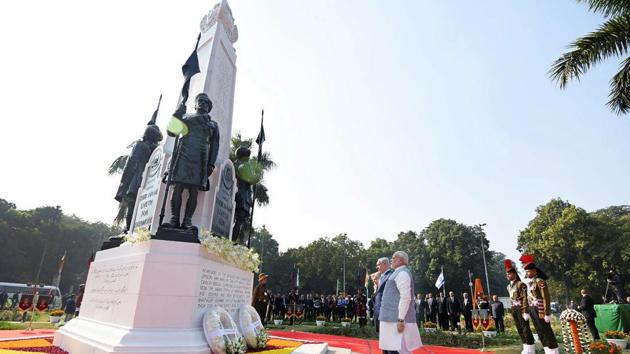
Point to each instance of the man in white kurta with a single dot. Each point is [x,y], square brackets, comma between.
[403,335]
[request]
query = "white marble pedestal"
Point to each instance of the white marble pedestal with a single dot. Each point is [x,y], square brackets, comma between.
[150,297]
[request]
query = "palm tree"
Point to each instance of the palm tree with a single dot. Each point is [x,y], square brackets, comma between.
[116,168]
[612,38]
[266,163]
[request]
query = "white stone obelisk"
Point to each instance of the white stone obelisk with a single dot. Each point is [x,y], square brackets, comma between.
[217,63]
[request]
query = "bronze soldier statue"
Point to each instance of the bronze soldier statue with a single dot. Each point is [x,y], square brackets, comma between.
[520,307]
[134,169]
[539,302]
[243,197]
[193,160]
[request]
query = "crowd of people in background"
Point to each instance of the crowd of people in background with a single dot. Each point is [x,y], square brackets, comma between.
[309,307]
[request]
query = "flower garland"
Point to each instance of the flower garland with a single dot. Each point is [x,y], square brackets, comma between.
[575,334]
[239,256]
[139,234]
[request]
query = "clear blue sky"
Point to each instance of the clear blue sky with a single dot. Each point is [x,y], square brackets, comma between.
[381,116]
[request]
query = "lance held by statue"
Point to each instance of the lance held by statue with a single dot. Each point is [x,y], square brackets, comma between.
[193,160]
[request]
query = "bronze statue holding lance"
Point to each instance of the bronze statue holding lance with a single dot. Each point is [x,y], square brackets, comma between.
[193,160]
[134,167]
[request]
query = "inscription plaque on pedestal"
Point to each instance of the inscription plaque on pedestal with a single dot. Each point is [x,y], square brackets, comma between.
[223,214]
[228,290]
[145,212]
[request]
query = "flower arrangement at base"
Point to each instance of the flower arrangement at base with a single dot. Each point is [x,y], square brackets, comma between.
[262,337]
[56,313]
[237,255]
[615,335]
[221,333]
[321,318]
[429,324]
[251,327]
[140,234]
[604,348]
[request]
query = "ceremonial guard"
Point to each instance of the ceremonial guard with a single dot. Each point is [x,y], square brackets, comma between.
[520,308]
[260,299]
[539,304]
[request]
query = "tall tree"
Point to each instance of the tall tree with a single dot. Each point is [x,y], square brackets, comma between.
[42,236]
[457,248]
[574,247]
[611,39]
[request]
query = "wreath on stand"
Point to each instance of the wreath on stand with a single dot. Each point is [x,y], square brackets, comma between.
[251,327]
[221,333]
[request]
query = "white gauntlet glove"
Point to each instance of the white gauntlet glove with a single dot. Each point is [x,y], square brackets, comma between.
[526,316]
[548,318]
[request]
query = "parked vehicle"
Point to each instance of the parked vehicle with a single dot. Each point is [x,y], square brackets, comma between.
[46,290]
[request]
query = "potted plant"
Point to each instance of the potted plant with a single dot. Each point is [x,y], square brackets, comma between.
[345,322]
[277,320]
[604,348]
[616,337]
[490,332]
[55,316]
[320,321]
[430,327]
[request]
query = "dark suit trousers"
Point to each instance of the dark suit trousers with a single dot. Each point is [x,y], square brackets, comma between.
[468,320]
[454,325]
[522,326]
[498,322]
[543,329]
[590,322]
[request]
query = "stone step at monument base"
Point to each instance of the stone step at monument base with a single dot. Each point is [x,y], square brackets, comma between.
[312,348]
[82,336]
[336,350]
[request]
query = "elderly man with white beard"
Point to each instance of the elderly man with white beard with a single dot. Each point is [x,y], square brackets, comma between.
[398,328]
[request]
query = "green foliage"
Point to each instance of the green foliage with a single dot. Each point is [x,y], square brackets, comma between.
[27,235]
[457,247]
[577,248]
[611,39]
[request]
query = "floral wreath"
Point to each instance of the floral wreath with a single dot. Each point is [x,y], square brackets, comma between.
[251,327]
[575,334]
[221,332]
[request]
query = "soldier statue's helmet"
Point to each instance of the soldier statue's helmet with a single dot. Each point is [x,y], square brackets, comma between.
[152,133]
[242,152]
[204,96]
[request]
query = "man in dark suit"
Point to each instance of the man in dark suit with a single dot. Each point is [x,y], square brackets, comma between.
[431,308]
[587,308]
[453,311]
[442,313]
[421,309]
[498,311]
[467,308]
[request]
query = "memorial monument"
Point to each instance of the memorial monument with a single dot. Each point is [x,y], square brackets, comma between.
[149,294]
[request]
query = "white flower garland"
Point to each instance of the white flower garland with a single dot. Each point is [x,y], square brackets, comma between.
[221,332]
[139,234]
[239,256]
[251,327]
